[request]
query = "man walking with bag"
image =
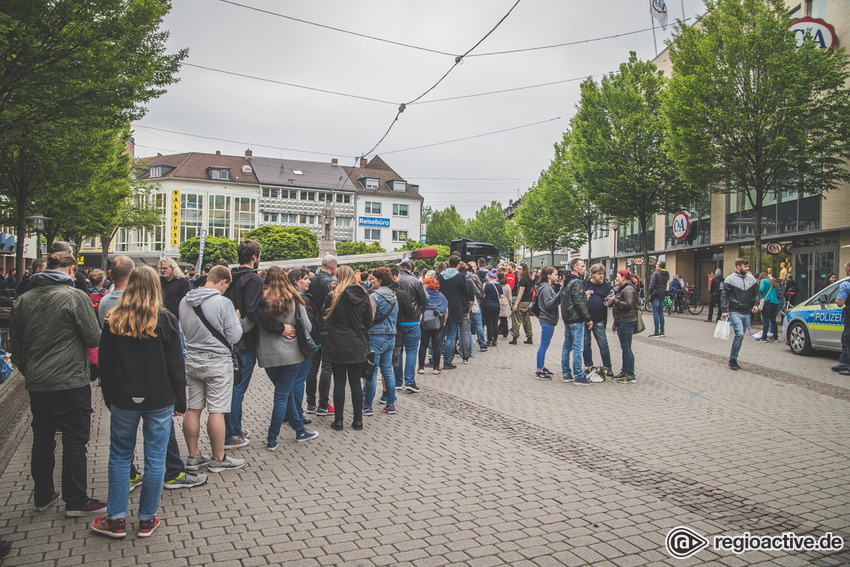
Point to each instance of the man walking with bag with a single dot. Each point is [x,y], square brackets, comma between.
[739,298]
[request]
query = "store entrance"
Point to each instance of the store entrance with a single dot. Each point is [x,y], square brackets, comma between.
[811,266]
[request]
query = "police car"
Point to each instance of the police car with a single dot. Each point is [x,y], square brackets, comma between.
[816,323]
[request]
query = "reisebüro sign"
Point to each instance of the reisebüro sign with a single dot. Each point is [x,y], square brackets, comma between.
[371,221]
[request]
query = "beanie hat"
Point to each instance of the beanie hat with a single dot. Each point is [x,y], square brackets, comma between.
[718,273]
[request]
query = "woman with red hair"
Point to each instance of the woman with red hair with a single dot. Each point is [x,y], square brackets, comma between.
[625,304]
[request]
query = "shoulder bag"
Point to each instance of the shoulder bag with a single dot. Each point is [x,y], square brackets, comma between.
[237,362]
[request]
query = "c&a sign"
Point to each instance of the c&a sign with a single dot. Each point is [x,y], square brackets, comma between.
[823,33]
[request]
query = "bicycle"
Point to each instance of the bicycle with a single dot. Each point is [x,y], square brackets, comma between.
[693,301]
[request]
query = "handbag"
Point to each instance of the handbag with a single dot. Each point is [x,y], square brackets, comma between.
[305,341]
[237,362]
[476,309]
[432,320]
[641,326]
[723,329]
[761,304]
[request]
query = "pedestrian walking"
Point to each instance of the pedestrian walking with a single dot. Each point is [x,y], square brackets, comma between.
[576,320]
[51,326]
[143,379]
[657,293]
[547,301]
[349,312]
[522,300]
[739,300]
[624,303]
[768,289]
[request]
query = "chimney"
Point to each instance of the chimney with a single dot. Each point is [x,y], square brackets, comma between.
[363,162]
[334,161]
[248,152]
[131,147]
[218,152]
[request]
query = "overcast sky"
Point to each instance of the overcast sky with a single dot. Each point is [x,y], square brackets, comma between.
[276,120]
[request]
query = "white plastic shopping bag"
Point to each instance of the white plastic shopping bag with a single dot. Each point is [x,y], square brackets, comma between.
[723,329]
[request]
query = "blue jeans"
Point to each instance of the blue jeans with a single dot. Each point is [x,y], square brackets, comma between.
[598,333]
[768,317]
[383,348]
[658,315]
[740,324]
[297,392]
[233,420]
[405,370]
[573,343]
[449,340]
[625,332]
[545,338]
[283,377]
[124,425]
[476,327]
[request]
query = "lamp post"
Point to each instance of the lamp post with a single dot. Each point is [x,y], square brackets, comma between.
[615,226]
[38,224]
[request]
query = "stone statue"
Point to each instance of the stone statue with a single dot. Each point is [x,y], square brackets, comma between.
[328,222]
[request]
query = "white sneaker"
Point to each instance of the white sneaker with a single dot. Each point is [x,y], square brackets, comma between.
[225,464]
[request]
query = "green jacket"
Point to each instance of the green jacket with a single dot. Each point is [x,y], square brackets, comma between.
[51,327]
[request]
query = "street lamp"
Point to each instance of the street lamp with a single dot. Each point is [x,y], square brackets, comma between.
[38,223]
[615,226]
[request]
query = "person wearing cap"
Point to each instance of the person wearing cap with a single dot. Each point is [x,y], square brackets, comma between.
[714,288]
[490,306]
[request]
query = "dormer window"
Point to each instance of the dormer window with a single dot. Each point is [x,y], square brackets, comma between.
[399,186]
[371,183]
[297,172]
[219,173]
[156,171]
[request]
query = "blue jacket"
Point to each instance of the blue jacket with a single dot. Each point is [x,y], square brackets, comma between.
[383,301]
[436,300]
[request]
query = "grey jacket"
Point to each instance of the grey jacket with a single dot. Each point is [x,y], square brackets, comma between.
[547,300]
[218,311]
[275,350]
[51,327]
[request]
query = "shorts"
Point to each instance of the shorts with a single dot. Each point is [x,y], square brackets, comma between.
[209,379]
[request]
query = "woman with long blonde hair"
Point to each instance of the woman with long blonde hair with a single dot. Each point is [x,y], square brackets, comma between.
[143,379]
[282,357]
[349,312]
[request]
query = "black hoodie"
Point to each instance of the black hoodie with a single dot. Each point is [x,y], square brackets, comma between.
[348,338]
[246,293]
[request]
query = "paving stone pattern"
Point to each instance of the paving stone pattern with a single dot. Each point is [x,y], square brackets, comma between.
[488,466]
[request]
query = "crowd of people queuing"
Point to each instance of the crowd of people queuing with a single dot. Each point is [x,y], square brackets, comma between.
[164,345]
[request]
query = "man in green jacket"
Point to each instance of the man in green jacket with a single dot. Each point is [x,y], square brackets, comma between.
[52,326]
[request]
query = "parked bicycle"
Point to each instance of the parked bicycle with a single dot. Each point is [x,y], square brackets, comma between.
[693,301]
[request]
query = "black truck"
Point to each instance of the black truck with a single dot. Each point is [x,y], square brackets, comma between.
[470,251]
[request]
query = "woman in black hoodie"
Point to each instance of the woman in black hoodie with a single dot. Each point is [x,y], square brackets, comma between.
[349,312]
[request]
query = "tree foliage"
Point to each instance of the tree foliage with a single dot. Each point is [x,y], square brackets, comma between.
[348,248]
[489,225]
[445,226]
[285,243]
[540,218]
[618,138]
[443,253]
[749,112]
[214,248]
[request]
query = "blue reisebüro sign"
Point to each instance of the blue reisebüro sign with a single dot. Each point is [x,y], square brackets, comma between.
[370,221]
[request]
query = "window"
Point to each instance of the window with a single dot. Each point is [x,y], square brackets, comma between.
[343,199]
[218,173]
[219,216]
[308,195]
[400,210]
[373,208]
[372,183]
[399,186]
[399,235]
[816,8]
[270,217]
[308,219]
[325,197]
[273,193]
[372,234]
[191,215]
[297,172]
[288,194]
[290,219]
[342,221]
[156,171]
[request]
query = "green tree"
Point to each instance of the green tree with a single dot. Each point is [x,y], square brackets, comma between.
[443,253]
[214,248]
[425,215]
[349,248]
[489,225]
[445,226]
[579,209]
[285,243]
[617,148]
[540,220]
[750,112]
[71,66]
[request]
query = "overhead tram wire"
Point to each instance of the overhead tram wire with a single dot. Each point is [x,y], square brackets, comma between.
[457,61]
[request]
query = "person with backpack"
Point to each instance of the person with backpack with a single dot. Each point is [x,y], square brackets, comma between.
[433,323]
[382,337]
[546,309]
[625,305]
[476,323]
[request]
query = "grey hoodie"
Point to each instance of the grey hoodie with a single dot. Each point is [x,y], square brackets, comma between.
[218,311]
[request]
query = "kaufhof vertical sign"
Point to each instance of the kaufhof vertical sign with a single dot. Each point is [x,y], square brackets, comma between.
[175,217]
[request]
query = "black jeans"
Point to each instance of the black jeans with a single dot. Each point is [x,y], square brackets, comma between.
[68,411]
[715,300]
[436,339]
[503,326]
[350,372]
[324,380]
[490,314]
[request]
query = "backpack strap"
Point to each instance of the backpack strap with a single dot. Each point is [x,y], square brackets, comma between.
[215,332]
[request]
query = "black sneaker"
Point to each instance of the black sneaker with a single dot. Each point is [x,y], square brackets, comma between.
[733,364]
[540,375]
[449,366]
[412,388]
[839,367]
[527,341]
[512,341]
[311,408]
[320,411]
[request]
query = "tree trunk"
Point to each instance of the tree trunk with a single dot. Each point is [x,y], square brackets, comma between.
[644,239]
[19,247]
[589,247]
[104,251]
[552,255]
[756,260]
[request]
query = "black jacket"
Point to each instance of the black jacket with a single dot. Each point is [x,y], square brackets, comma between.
[348,338]
[658,283]
[320,287]
[246,293]
[172,292]
[143,374]
[457,293]
[414,288]
[573,301]
[714,287]
[739,293]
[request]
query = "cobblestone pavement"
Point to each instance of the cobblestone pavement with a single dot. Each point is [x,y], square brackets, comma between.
[488,466]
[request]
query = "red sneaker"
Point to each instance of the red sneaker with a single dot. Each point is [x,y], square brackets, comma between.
[146,527]
[110,528]
[91,507]
[53,500]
